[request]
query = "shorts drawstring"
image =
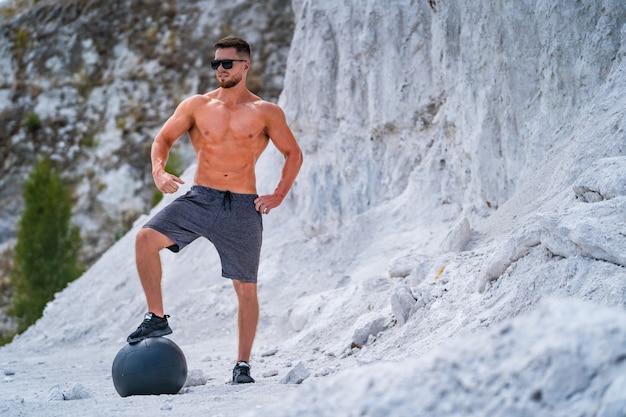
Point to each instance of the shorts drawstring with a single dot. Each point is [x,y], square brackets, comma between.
[227,198]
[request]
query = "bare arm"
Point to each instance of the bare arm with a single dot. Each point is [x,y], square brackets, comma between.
[175,127]
[282,137]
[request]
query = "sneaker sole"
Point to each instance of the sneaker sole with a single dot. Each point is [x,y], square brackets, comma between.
[157,333]
[243,382]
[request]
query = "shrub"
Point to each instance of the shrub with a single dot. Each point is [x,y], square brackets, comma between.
[48,245]
[32,122]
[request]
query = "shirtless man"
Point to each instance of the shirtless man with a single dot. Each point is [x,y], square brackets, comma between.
[229,128]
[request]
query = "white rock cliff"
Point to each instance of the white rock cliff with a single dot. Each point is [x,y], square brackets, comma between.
[454,245]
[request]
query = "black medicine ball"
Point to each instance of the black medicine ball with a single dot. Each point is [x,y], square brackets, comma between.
[153,366]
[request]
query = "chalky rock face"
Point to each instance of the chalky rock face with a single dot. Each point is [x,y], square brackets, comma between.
[153,366]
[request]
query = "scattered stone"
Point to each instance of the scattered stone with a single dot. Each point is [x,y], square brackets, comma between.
[269,352]
[297,375]
[604,180]
[68,393]
[369,324]
[195,377]
[402,302]
[269,373]
[56,394]
[593,231]
[458,237]
[325,371]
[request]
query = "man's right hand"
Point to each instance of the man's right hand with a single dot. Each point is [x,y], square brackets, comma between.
[166,182]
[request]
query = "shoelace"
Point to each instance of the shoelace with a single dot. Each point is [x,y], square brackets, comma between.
[243,368]
[148,319]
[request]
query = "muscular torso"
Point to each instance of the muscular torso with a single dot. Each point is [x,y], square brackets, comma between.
[228,140]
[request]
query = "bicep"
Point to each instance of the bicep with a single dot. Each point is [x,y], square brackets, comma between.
[177,125]
[280,134]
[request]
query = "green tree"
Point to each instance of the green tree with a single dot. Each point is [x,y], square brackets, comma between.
[46,255]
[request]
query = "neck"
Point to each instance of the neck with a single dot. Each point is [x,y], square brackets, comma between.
[234,94]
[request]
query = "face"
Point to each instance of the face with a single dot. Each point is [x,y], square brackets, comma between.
[228,78]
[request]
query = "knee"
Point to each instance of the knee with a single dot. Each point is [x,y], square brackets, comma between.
[246,291]
[149,239]
[142,239]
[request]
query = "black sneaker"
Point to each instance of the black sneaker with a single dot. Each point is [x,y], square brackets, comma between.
[241,373]
[152,326]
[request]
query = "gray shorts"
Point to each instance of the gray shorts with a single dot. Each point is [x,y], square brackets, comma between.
[230,221]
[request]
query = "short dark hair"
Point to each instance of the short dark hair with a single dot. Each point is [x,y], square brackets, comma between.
[240,45]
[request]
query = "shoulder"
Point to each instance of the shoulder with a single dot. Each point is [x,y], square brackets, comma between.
[270,110]
[195,101]
[188,106]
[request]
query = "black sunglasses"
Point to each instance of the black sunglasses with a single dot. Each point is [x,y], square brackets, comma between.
[226,63]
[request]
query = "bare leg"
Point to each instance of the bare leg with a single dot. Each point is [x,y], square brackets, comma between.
[247,317]
[147,246]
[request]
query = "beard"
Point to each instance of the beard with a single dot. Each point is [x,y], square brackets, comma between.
[230,83]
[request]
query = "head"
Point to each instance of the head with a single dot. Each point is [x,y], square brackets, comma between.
[232,49]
